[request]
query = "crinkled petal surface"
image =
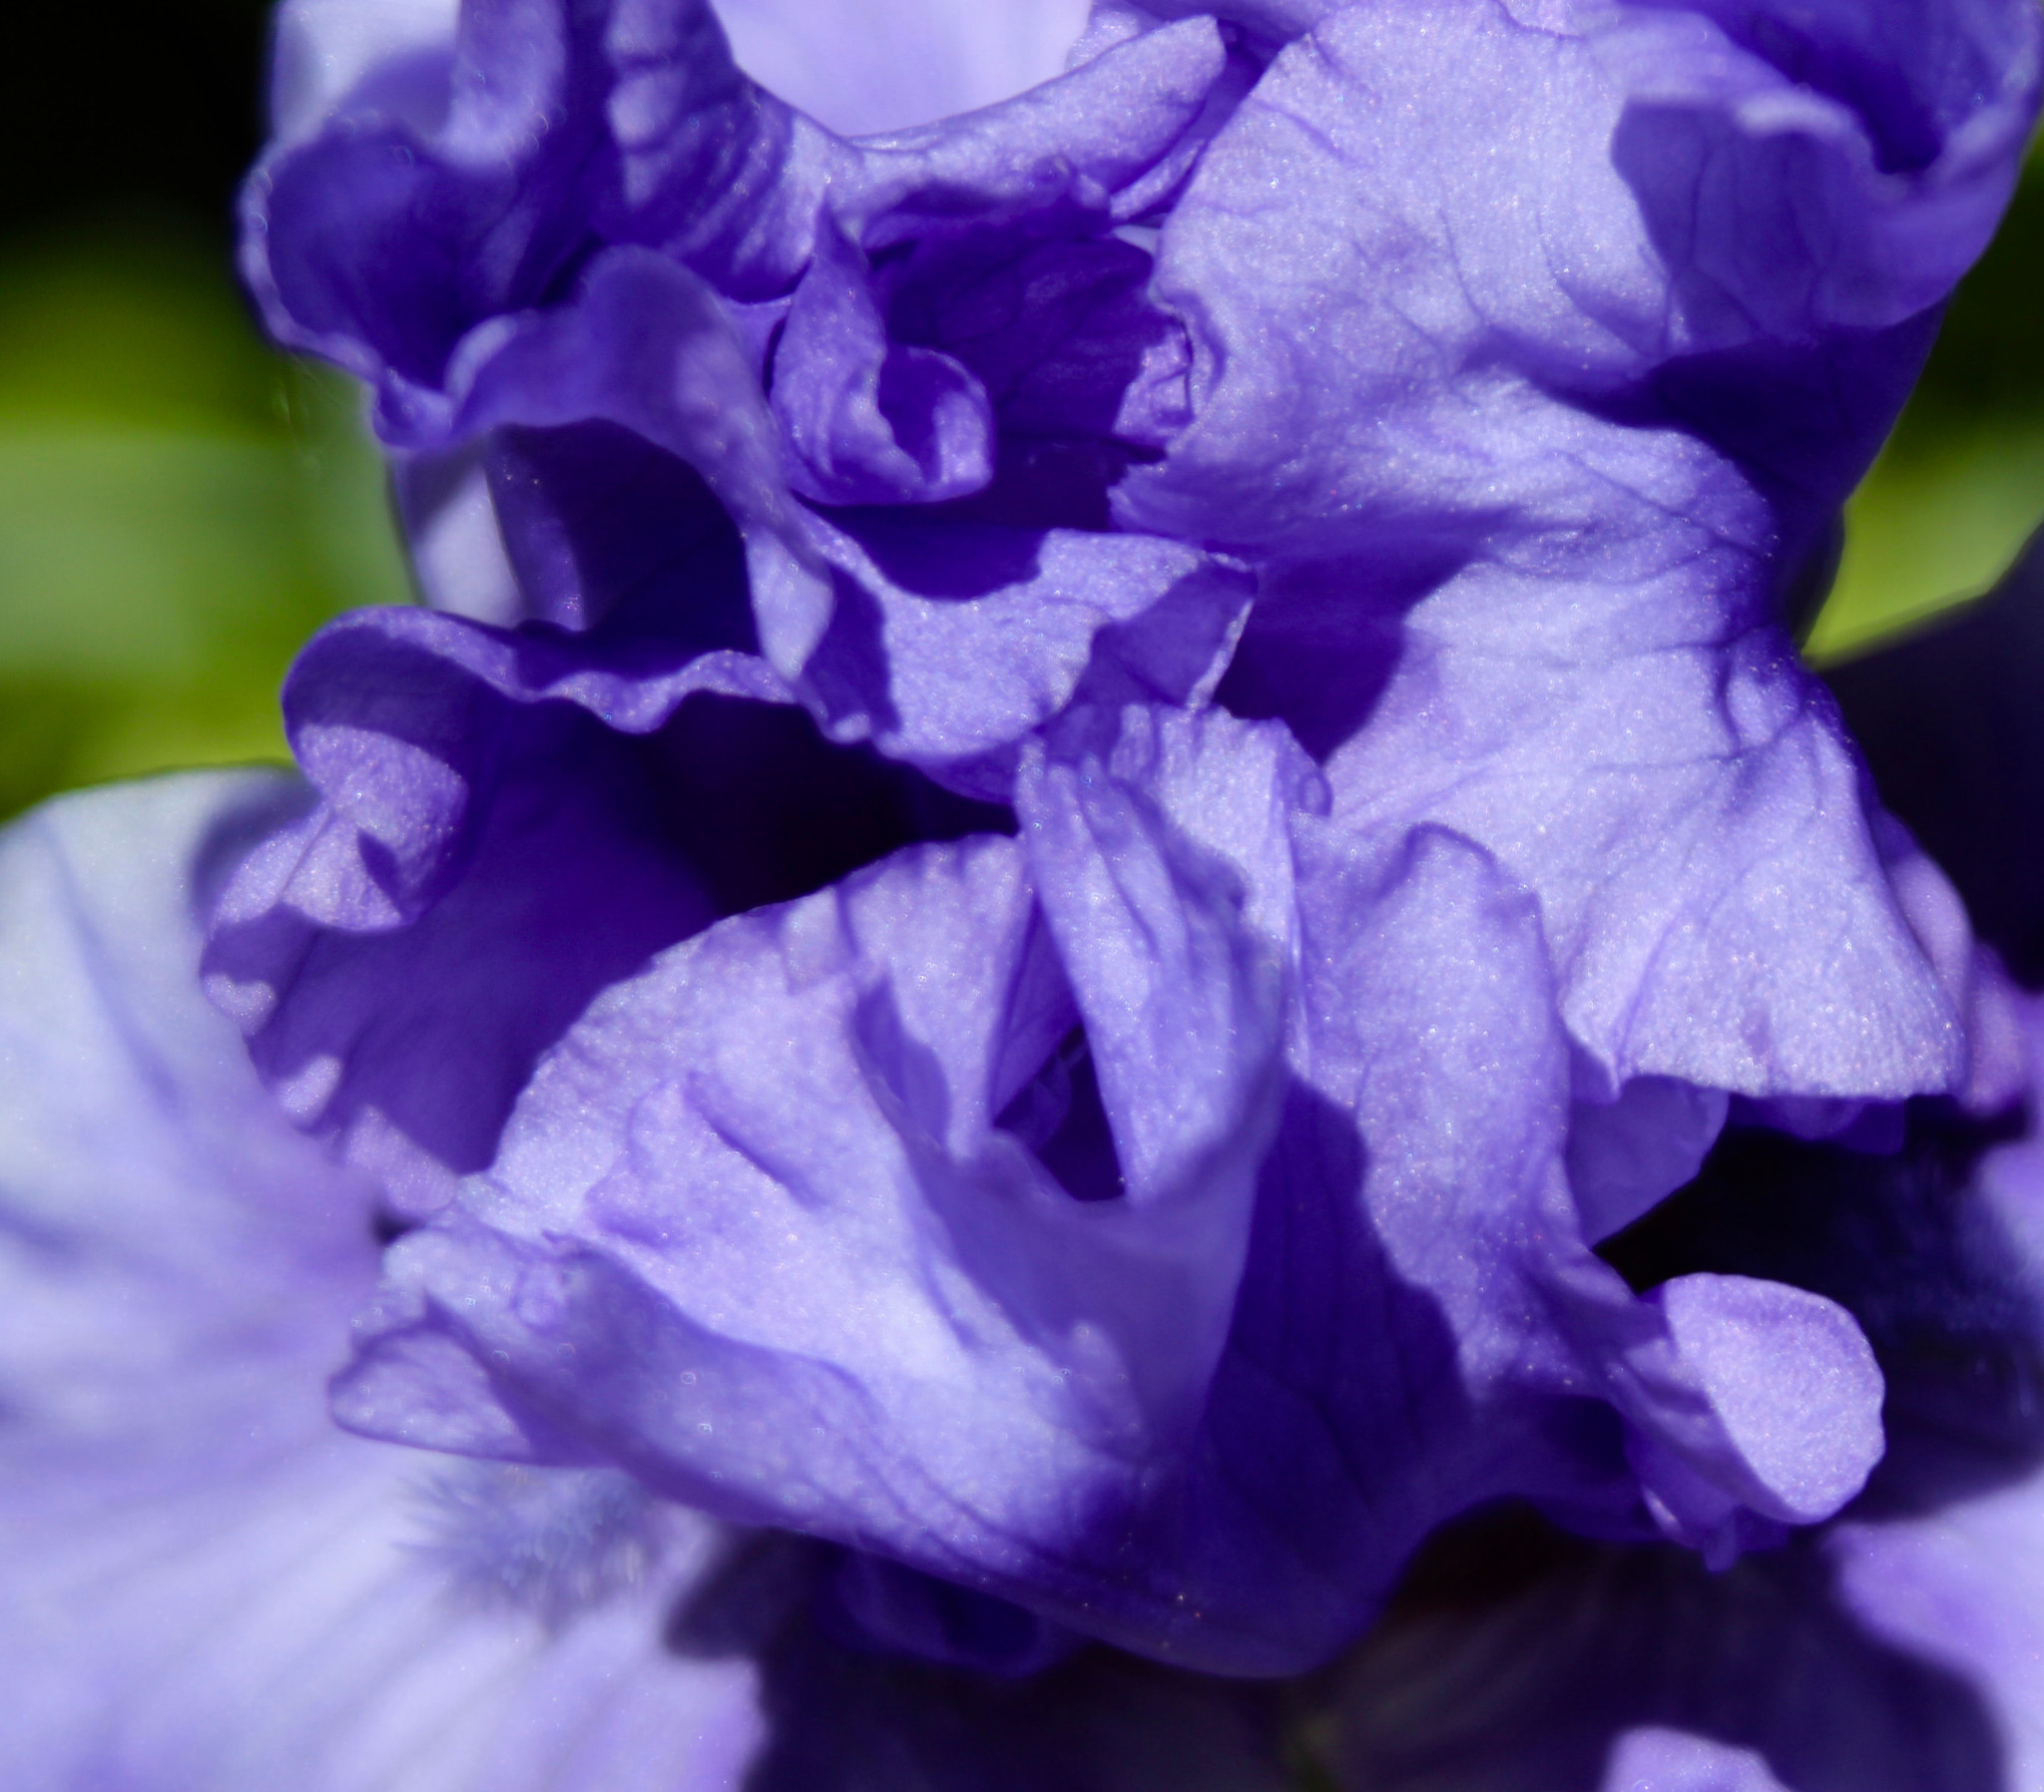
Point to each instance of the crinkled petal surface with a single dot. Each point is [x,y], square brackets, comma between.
[1421,1326]
[1402,327]
[601,231]
[1526,480]
[490,855]
[980,633]
[1099,1217]
[910,1214]
[925,1214]
[211,1589]
[1692,820]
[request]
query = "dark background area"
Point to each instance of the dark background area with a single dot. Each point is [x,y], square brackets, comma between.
[117,111]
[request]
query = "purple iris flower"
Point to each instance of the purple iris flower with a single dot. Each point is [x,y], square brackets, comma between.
[1082,1201]
[1096,799]
[212,1588]
[583,258]
[1895,1647]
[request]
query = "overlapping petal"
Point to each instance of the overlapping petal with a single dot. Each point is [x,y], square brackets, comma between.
[933,1213]
[1526,476]
[1683,801]
[210,1588]
[910,1215]
[1405,326]
[1104,1216]
[489,856]
[1422,1327]
[1896,1647]
[607,227]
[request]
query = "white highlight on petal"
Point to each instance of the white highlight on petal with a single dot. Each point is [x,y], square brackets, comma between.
[323,48]
[862,66]
[1652,1759]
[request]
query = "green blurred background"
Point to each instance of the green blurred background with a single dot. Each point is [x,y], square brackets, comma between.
[180,506]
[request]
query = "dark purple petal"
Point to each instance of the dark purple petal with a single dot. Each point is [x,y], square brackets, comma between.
[1911,1235]
[1897,1648]
[1055,329]
[211,1589]
[870,422]
[1808,171]
[834,1215]
[1516,1662]
[384,237]
[772,1227]
[489,856]
[601,529]
[1420,1326]
[1068,348]
[1947,719]
[614,234]
[645,348]
[937,1213]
